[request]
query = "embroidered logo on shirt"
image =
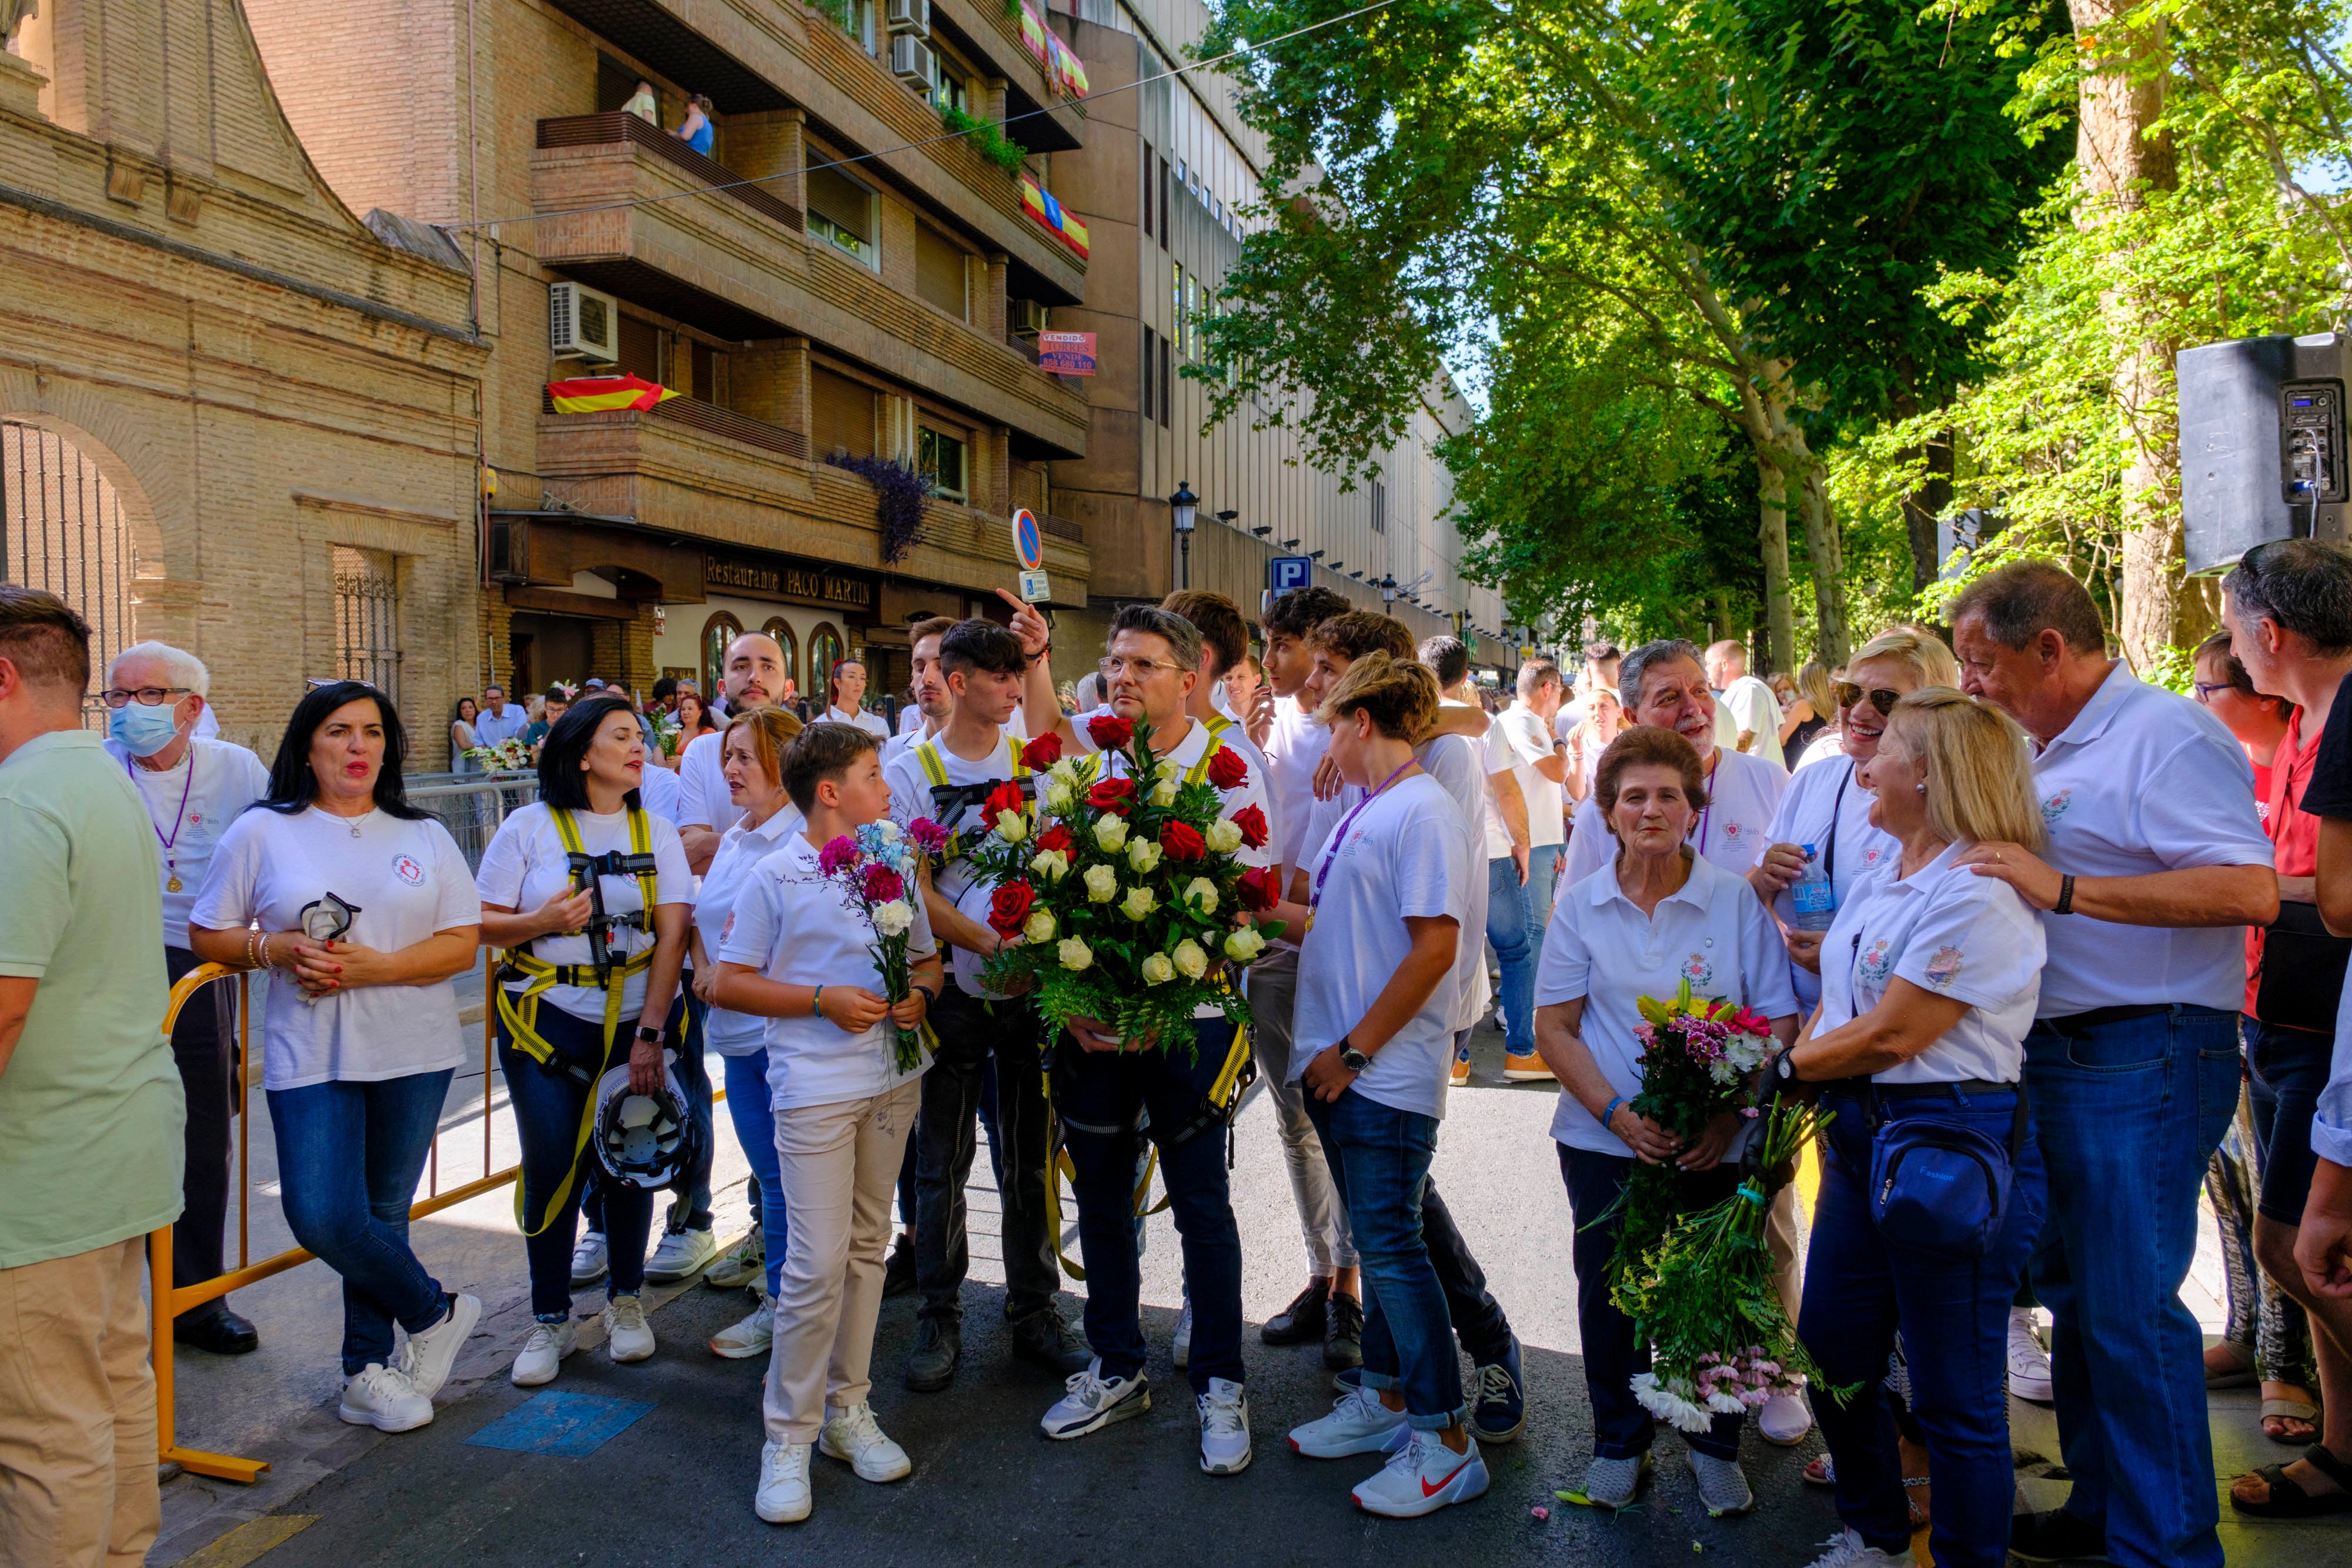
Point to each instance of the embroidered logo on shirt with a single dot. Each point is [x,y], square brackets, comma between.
[1875,964]
[1699,971]
[406,869]
[2055,807]
[1734,832]
[1871,857]
[1944,967]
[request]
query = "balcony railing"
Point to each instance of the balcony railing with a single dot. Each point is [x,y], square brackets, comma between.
[713,420]
[602,129]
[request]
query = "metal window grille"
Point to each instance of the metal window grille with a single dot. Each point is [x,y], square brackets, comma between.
[62,530]
[367,618]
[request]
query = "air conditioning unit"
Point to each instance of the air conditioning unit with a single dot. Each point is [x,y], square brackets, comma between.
[582,323]
[912,62]
[912,17]
[1028,317]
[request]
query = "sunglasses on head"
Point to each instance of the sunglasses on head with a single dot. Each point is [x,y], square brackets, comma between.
[1881,697]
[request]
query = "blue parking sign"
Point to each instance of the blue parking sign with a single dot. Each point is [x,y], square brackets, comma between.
[1285,572]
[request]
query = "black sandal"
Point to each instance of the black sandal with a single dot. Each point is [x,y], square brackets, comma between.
[2288,1500]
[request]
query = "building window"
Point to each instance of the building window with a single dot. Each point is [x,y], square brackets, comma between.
[1176,304]
[942,457]
[782,631]
[1163,203]
[1148,183]
[1151,377]
[840,210]
[1167,386]
[717,632]
[367,618]
[826,648]
[939,275]
[62,530]
[1379,507]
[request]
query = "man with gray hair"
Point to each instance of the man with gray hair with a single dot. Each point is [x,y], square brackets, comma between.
[194,788]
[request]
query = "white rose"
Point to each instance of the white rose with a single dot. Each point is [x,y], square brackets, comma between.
[1075,955]
[1051,864]
[893,918]
[1201,893]
[1057,794]
[1012,827]
[1064,772]
[1163,794]
[1110,832]
[1139,904]
[1223,837]
[887,829]
[1190,960]
[1245,945]
[1169,767]
[1158,970]
[1142,855]
[1102,884]
[1041,926]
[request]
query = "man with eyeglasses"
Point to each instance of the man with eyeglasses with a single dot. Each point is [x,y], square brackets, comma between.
[194,788]
[2156,862]
[499,719]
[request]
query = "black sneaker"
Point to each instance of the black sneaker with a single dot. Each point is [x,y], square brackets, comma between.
[1343,1333]
[931,1364]
[1047,1339]
[898,1271]
[1301,1323]
[2055,1535]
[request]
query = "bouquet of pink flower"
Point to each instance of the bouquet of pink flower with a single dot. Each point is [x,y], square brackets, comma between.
[875,867]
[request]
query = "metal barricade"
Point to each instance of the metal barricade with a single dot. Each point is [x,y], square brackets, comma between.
[472,805]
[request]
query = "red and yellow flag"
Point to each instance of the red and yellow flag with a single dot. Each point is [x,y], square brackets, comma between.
[598,394]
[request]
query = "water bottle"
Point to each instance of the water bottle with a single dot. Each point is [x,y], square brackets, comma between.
[1814,894]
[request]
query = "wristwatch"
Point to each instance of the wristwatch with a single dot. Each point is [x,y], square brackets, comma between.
[1351,1059]
[1784,1069]
[648,1035]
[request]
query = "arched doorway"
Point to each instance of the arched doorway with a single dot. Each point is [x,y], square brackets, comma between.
[826,648]
[782,631]
[62,529]
[717,632]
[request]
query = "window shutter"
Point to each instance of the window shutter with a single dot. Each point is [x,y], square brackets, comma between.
[841,416]
[939,272]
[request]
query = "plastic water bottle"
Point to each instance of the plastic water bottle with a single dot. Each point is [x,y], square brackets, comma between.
[1814,894]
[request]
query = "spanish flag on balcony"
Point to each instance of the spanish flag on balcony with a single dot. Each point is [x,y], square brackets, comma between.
[1066,66]
[600,395]
[1040,204]
[1034,33]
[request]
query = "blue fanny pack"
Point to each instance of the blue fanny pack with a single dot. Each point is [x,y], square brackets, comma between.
[1941,1188]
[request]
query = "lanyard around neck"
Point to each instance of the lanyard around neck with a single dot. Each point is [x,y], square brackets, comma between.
[1339,835]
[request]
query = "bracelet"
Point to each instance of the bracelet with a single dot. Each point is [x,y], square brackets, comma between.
[817,1003]
[257,949]
[1610,1108]
[2066,904]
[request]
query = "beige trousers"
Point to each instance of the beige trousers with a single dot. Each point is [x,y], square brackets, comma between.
[839,1165]
[76,1412]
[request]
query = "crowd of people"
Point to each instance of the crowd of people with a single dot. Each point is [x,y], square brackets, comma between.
[1993,894]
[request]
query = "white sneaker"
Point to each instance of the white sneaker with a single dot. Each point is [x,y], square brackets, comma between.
[590,1257]
[854,1435]
[1095,1402]
[1179,1349]
[745,1263]
[783,1497]
[753,1336]
[381,1396]
[2029,1363]
[1224,1428]
[1358,1424]
[1784,1420]
[1422,1477]
[426,1358]
[627,1335]
[1846,1551]
[542,1353]
[679,1255]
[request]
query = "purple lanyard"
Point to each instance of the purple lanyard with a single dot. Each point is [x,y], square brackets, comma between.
[182,817]
[1339,837]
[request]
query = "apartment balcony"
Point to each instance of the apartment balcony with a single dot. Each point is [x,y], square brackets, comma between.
[1042,118]
[737,264]
[688,469]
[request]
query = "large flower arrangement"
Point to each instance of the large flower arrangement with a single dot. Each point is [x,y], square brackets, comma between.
[509,755]
[1122,890]
[874,868]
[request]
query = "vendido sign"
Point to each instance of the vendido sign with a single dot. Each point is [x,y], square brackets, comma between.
[797,584]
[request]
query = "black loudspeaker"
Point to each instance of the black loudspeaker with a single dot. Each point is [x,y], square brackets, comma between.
[2262,444]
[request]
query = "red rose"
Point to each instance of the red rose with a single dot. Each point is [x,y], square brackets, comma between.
[1110,732]
[1041,753]
[1004,798]
[1056,837]
[1112,795]
[1252,822]
[1226,767]
[1008,907]
[1182,842]
[1260,888]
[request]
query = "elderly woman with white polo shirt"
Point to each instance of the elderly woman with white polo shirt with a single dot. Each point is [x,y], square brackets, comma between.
[1657,915]
[1929,981]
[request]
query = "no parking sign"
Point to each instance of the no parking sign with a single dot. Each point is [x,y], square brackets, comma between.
[1029,547]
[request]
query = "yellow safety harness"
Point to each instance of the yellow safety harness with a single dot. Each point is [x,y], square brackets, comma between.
[519,1010]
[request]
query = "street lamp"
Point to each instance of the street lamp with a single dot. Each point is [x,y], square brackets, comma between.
[1182,506]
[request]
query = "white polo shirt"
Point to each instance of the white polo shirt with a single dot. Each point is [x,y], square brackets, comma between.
[1295,744]
[1250,791]
[1828,808]
[741,851]
[1732,832]
[872,724]
[910,796]
[1530,740]
[797,927]
[661,792]
[1826,746]
[2143,781]
[1748,703]
[1600,946]
[704,800]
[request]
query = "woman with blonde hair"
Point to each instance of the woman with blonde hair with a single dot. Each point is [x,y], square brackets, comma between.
[1809,708]
[1932,1189]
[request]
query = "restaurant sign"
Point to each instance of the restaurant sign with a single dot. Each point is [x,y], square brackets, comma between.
[797,584]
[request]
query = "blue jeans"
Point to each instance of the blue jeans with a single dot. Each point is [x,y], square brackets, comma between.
[1380,1163]
[1543,881]
[1506,928]
[754,1115]
[2286,1071]
[349,1157]
[2128,1113]
[1100,1097]
[1863,1284]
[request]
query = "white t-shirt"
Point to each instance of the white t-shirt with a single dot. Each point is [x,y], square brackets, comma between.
[910,796]
[1712,932]
[1825,746]
[525,866]
[2143,781]
[1530,739]
[1748,703]
[1804,817]
[872,724]
[799,928]
[216,779]
[1951,932]
[663,793]
[740,850]
[1294,746]
[407,879]
[910,719]
[704,800]
[1494,754]
[1407,854]
[1732,832]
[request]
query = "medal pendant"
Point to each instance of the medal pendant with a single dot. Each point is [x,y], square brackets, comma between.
[172,885]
